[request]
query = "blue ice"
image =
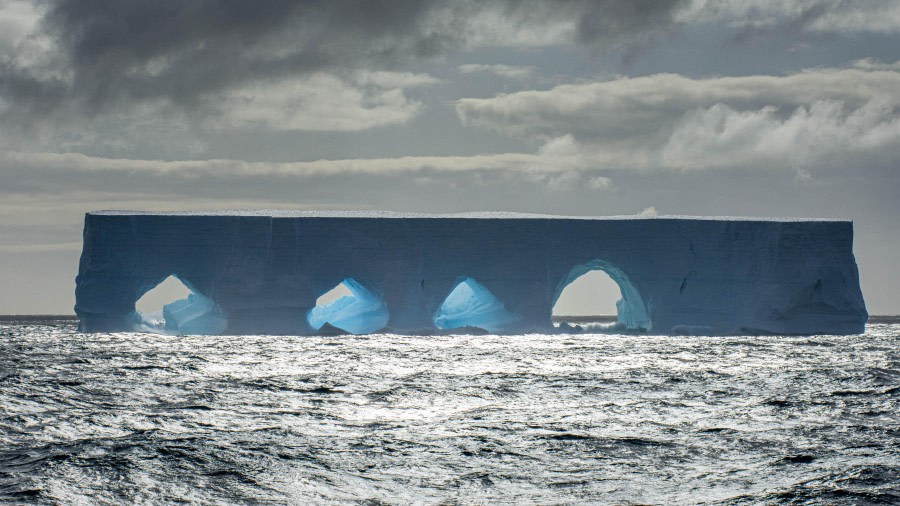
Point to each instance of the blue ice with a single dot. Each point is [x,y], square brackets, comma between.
[361,312]
[194,314]
[719,276]
[470,304]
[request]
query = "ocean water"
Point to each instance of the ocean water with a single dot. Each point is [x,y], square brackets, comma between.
[388,419]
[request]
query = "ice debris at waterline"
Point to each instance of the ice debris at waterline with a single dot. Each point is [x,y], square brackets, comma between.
[262,271]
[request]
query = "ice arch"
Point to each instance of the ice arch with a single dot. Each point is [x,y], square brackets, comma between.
[592,294]
[189,313]
[631,311]
[360,312]
[470,304]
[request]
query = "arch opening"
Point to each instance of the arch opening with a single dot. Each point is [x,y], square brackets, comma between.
[470,304]
[594,281]
[173,307]
[589,299]
[351,307]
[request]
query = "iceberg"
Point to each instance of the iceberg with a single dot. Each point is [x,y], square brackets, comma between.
[260,272]
[470,304]
[194,314]
[361,312]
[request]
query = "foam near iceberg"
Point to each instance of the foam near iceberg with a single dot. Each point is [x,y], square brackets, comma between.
[262,271]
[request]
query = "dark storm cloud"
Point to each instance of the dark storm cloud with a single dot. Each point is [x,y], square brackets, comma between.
[627,25]
[117,52]
[184,50]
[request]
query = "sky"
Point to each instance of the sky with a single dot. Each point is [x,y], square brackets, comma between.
[606,107]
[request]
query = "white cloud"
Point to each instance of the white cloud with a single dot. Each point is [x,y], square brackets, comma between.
[24,46]
[507,71]
[188,169]
[672,121]
[559,147]
[561,181]
[556,157]
[873,64]
[492,24]
[391,80]
[18,20]
[321,102]
[599,183]
[325,102]
[721,136]
[621,105]
[880,16]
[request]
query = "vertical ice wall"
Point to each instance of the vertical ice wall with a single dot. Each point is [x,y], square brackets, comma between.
[263,271]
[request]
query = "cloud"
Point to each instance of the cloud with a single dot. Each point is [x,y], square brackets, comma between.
[823,131]
[555,165]
[190,169]
[92,74]
[673,121]
[66,60]
[599,183]
[507,71]
[872,64]
[324,102]
[111,54]
[758,17]
[18,19]
[45,194]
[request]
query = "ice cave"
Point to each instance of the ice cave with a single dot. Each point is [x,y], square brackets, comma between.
[190,313]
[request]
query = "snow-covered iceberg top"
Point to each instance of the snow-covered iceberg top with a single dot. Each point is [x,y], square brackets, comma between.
[486,215]
[261,271]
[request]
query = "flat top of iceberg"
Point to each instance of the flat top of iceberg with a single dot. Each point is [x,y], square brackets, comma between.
[287,213]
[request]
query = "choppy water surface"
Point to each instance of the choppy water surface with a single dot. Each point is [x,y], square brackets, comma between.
[107,418]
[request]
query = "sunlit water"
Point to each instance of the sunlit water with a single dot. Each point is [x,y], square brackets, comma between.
[112,418]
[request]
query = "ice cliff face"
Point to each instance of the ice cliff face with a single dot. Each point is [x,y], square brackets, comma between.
[261,272]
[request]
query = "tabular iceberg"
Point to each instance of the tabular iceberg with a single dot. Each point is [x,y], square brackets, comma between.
[262,271]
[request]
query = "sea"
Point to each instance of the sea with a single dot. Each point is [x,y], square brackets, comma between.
[587,418]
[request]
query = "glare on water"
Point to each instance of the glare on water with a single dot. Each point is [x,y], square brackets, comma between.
[487,419]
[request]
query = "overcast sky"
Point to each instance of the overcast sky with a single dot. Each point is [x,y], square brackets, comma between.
[605,107]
